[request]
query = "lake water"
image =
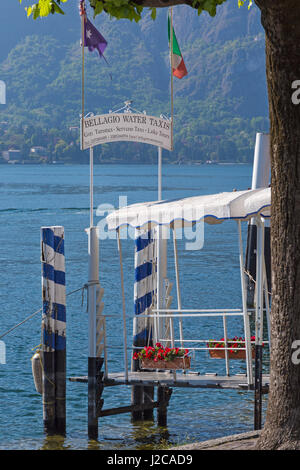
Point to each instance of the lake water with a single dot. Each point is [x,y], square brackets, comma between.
[34,196]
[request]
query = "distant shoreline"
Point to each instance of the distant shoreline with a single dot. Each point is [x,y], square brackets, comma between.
[188,163]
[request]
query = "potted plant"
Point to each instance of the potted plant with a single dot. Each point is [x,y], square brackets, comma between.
[159,357]
[236,347]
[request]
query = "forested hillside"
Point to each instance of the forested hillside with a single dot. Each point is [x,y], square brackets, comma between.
[219,106]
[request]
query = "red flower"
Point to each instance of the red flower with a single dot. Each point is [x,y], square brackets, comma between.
[159,353]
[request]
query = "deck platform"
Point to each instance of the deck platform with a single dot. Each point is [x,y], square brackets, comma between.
[183,380]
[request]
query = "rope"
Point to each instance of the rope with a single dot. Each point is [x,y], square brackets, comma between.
[38,311]
[254,281]
[21,323]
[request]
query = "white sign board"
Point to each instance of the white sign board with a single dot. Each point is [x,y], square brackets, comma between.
[129,127]
[2,92]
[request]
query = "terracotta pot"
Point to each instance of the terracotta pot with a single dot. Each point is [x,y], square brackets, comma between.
[177,363]
[237,354]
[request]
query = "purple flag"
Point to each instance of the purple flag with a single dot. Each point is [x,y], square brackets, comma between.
[93,39]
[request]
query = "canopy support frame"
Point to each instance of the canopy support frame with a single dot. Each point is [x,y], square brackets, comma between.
[245,310]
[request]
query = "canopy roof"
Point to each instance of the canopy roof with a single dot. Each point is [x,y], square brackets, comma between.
[212,208]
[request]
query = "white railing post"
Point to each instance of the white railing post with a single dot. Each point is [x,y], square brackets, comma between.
[226,345]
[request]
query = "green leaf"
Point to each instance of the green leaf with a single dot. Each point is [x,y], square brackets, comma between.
[45,7]
[210,7]
[36,11]
[98,8]
[153,13]
[29,11]
[57,9]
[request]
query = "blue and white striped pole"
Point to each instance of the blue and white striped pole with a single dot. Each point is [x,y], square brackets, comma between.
[53,329]
[145,285]
[144,298]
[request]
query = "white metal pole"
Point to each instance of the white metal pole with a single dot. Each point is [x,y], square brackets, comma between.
[226,345]
[161,275]
[178,285]
[245,312]
[123,308]
[93,282]
[159,197]
[161,256]
[91,187]
[260,179]
[261,164]
[93,266]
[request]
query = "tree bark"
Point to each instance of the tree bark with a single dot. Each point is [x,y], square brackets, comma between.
[280,20]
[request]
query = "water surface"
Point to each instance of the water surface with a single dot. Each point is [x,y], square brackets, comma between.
[34,196]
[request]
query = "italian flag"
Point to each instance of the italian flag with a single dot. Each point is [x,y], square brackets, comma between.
[179,69]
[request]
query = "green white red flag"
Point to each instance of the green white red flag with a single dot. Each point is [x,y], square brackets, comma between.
[178,65]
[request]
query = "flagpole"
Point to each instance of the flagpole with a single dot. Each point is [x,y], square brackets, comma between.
[172,88]
[82,69]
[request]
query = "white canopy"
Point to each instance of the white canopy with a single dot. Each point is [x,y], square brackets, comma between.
[212,208]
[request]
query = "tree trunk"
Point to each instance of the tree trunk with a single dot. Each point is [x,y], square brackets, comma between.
[280,20]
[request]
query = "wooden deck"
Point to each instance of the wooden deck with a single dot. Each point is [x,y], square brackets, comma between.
[188,380]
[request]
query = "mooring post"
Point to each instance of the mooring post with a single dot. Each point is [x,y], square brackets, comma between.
[148,399]
[53,329]
[163,397]
[95,335]
[144,294]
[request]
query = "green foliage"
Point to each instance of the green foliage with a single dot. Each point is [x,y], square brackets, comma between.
[44,8]
[118,8]
[219,106]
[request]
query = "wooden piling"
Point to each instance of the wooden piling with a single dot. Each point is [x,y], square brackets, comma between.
[92,396]
[53,330]
[137,392]
[148,399]
[48,359]
[163,398]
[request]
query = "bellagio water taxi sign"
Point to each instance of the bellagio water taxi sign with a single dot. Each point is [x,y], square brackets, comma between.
[130,127]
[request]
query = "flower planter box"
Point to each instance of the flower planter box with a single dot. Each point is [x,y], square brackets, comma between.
[177,363]
[237,354]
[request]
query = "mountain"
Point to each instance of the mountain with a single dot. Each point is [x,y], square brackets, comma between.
[218,107]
